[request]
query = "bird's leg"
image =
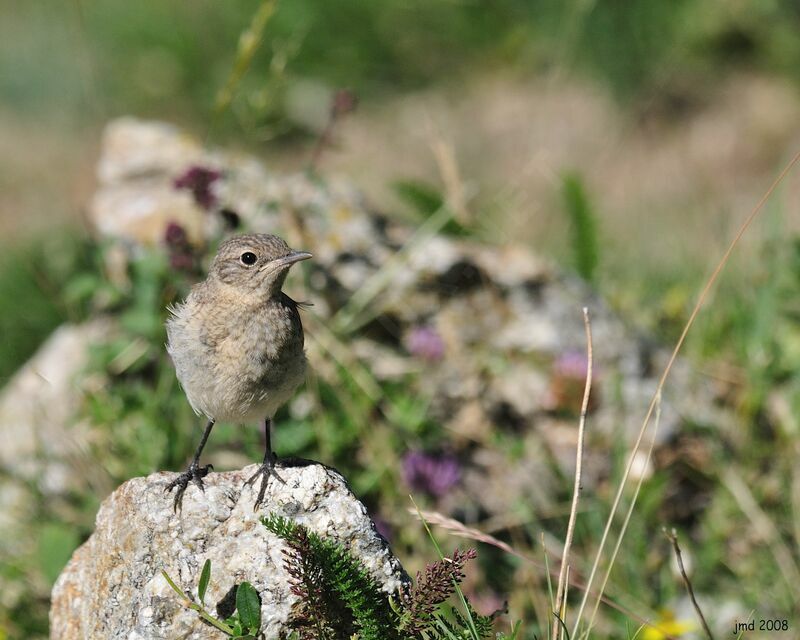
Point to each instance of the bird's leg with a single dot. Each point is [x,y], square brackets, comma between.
[267,467]
[194,473]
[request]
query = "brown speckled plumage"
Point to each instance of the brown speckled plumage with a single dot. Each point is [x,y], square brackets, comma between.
[237,340]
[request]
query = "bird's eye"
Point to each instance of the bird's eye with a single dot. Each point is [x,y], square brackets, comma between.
[248,258]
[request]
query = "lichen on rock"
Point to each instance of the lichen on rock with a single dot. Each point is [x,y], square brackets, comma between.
[113,586]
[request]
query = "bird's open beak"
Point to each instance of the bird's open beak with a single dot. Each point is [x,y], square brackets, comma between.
[287,260]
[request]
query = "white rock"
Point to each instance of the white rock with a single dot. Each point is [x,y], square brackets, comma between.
[113,588]
[39,403]
[136,212]
[135,148]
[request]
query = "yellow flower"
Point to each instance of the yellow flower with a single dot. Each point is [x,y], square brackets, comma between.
[666,625]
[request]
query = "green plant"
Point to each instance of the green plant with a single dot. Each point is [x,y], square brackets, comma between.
[243,623]
[584,225]
[340,600]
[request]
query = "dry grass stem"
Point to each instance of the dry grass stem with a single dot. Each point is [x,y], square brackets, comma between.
[561,590]
[673,538]
[451,177]
[689,323]
[460,530]
[626,522]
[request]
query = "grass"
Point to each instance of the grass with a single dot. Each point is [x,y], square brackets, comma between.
[657,396]
[162,59]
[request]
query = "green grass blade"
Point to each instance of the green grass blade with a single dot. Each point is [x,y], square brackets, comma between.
[584,226]
[205,576]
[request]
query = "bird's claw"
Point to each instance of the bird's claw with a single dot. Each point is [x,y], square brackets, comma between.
[265,470]
[193,474]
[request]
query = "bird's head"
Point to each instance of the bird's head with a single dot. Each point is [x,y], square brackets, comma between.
[255,263]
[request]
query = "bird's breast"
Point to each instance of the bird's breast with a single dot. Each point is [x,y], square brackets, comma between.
[239,362]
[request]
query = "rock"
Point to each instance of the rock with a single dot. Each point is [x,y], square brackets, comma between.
[46,456]
[39,403]
[134,149]
[144,214]
[113,587]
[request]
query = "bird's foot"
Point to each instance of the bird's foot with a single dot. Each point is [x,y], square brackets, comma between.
[266,470]
[194,473]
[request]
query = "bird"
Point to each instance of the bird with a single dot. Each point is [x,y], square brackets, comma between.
[238,347]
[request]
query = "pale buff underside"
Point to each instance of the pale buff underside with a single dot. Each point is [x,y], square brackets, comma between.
[236,361]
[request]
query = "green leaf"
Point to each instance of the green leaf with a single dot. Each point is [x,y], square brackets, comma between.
[172,584]
[235,625]
[249,606]
[205,576]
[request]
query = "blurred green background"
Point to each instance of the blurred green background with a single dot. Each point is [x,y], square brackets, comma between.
[662,122]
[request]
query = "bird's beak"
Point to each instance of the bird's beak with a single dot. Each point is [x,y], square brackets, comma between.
[287,260]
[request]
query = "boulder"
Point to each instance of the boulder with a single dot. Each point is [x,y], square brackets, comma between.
[113,587]
[38,405]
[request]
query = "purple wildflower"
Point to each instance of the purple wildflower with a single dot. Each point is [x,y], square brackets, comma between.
[567,384]
[434,474]
[198,180]
[181,255]
[572,364]
[426,343]
[175,235]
